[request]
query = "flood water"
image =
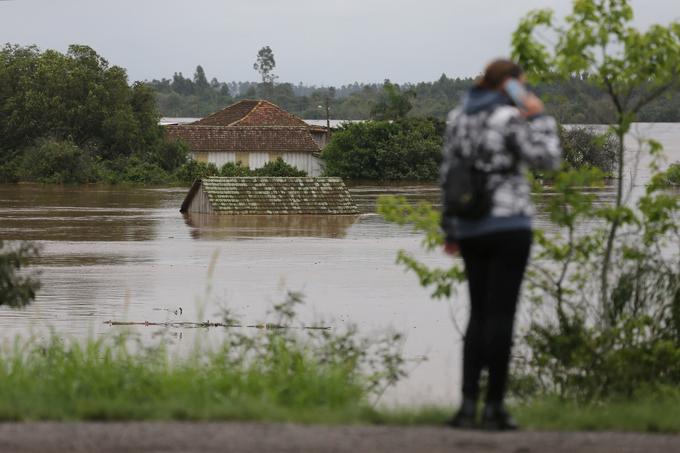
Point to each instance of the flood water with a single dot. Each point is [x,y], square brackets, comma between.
[128,254]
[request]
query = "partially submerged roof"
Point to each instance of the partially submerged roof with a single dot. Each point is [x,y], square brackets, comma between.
[267,195]
[244,138]
[252,113]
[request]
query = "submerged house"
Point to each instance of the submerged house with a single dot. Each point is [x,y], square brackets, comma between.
[268,195]
[253,133]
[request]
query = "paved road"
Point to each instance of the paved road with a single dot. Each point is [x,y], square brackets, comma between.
[264,437]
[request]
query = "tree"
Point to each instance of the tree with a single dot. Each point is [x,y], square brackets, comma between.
[66,118]
[632,68]
[596,331]
[393,104]
[200,81]
[380,150]
[265,65]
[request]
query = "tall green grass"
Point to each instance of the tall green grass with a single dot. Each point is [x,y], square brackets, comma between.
[272,377]
[273,374]
[104,380]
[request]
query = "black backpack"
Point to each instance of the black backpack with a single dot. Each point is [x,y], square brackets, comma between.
[466,189]
[467,194]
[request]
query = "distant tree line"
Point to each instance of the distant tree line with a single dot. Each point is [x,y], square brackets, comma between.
[572,102]
[72,118]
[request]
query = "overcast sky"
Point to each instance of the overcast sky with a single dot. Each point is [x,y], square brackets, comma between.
[322,42]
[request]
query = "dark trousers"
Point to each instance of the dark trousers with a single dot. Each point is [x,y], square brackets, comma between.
[494,265]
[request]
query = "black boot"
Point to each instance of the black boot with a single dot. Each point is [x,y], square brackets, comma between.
[466,417]
[496,418]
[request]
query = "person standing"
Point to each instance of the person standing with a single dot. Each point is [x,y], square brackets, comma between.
[500,131]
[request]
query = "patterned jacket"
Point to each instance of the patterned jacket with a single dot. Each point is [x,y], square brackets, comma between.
[506,145]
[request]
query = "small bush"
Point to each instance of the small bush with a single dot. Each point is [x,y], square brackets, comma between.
[139,172]
[668,178]
[57,161]
[193,170]
[170,155]
[17,289]
[9,172]
[274,168]
[583,147]
[231,169]
[278,168]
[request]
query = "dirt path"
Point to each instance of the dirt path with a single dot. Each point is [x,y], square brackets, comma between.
[263,437]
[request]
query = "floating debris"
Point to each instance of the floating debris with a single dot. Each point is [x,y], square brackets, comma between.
[207,324]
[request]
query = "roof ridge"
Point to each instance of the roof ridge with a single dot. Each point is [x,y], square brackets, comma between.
[223,109]
[291,115]
[259,102]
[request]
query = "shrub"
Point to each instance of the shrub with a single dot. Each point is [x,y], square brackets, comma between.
[278,168]
[583,147]
[16,289]
[137,171]
[193,170]
[170,155]
[381,150]
[56,161]
[234,169]
[670,177]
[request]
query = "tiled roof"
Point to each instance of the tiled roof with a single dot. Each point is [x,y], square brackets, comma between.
[252,113]
[264,195]
[244,138]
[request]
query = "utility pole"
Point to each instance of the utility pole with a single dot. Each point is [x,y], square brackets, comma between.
[328,118]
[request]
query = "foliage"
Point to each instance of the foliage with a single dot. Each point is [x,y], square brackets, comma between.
[392,103]
[380,150]
[596,332]
[572,101]
[193,170]
[16,288]
[597,40]
[603,338]
[66,117]
[265,65]
[592,349]
[278,167]
[54,161]
[584,147]
[280,373]
[232,169]
[671,177]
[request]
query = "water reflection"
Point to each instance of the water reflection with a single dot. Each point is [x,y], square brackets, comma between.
[220,227]
[86,213]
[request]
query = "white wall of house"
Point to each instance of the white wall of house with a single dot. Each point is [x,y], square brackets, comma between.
[220,158]
[303,161]
[257,160]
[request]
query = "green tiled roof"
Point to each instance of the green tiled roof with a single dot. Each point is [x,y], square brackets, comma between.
[268,195]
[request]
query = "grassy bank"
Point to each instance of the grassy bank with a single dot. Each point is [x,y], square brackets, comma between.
[273,378]
[104,380]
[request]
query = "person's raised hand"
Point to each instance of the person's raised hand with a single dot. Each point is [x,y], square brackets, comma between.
[532,105]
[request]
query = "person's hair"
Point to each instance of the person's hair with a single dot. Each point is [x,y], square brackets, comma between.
[496,73]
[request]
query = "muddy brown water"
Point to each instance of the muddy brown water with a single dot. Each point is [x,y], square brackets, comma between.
[111,253]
